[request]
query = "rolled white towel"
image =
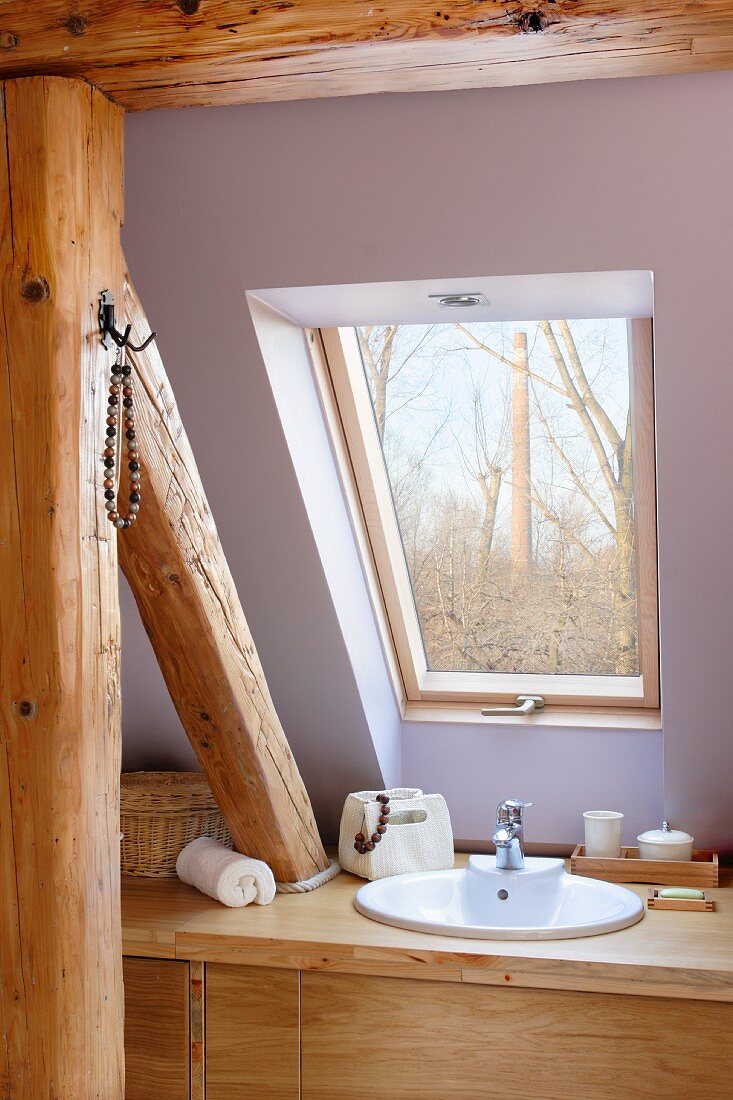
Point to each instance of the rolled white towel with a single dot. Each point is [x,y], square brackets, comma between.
[229,877]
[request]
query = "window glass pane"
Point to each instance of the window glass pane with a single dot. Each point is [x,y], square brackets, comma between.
[508,452]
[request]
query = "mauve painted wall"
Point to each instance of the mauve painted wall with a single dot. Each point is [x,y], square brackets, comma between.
[586,176]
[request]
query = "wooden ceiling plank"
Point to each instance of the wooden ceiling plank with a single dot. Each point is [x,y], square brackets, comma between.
[165,53]
[270,89]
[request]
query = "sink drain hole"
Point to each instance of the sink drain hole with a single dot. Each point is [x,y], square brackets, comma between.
[502,895]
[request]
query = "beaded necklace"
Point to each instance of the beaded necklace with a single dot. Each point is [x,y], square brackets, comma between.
[120,383]
[361,843]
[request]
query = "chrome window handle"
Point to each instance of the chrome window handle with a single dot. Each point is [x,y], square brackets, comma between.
[524,704]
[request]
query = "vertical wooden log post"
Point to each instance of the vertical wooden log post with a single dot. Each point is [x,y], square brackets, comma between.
[176,568]
[60,944]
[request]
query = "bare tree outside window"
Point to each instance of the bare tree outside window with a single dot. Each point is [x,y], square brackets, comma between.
[508,451]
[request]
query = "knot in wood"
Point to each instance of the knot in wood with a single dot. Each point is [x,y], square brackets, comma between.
[24,708]
[8,40]
[76,24]
[35,288]
[532,22]
[188,7]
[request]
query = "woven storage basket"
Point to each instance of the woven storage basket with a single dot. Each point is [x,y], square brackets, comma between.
[162,812]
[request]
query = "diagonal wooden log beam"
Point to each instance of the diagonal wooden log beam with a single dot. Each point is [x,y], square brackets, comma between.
[175,565]
[172,53]
[60,940]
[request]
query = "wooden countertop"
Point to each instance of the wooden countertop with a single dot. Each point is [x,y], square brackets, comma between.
[668,954]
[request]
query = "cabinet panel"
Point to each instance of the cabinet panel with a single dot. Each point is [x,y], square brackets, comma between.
[157,1048]
[252,1041]
[440,1041]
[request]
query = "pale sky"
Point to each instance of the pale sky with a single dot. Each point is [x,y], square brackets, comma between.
[436,372]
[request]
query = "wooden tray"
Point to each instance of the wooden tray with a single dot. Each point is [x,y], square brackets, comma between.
[680,905]
[702,870]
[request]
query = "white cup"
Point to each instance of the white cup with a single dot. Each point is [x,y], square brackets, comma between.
[603,833]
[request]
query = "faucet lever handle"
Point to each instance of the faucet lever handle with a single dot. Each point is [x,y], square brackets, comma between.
[510,811]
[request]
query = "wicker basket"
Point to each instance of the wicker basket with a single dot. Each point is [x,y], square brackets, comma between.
[162,812]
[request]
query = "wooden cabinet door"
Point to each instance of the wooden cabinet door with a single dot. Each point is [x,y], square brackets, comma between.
[157,1045]
[252,1040]
[372,1036]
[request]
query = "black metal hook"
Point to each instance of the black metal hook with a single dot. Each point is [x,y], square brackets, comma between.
[107,325]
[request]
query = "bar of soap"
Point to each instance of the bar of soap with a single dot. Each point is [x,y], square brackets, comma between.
[682,893]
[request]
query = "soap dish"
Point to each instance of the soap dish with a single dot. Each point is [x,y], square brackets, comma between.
[684,905]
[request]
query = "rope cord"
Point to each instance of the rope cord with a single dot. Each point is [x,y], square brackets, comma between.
[312,883]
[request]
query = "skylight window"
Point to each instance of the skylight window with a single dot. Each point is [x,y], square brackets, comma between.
[505,473]
[508,453]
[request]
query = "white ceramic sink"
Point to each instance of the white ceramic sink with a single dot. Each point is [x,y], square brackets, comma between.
[540,902]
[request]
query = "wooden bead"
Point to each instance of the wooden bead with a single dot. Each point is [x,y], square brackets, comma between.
[376,838]
[109,483]
[381,829]
[369,846]
[114,388]
[127,391]
[357,846]
[111,420]
[383,798]
[112,516]
[386,810]
[108,452]
[129,423]
[359,838]
[383,820]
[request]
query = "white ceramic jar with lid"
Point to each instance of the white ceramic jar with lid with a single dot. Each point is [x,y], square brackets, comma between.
[665,843]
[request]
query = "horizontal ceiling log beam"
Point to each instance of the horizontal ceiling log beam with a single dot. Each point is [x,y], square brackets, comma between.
[172,53]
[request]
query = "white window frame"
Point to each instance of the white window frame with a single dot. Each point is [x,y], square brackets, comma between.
[347,404]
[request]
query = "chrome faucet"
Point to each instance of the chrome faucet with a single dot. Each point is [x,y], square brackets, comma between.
[509,836]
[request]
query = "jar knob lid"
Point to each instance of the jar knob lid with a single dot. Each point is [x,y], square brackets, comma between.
[665,827]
